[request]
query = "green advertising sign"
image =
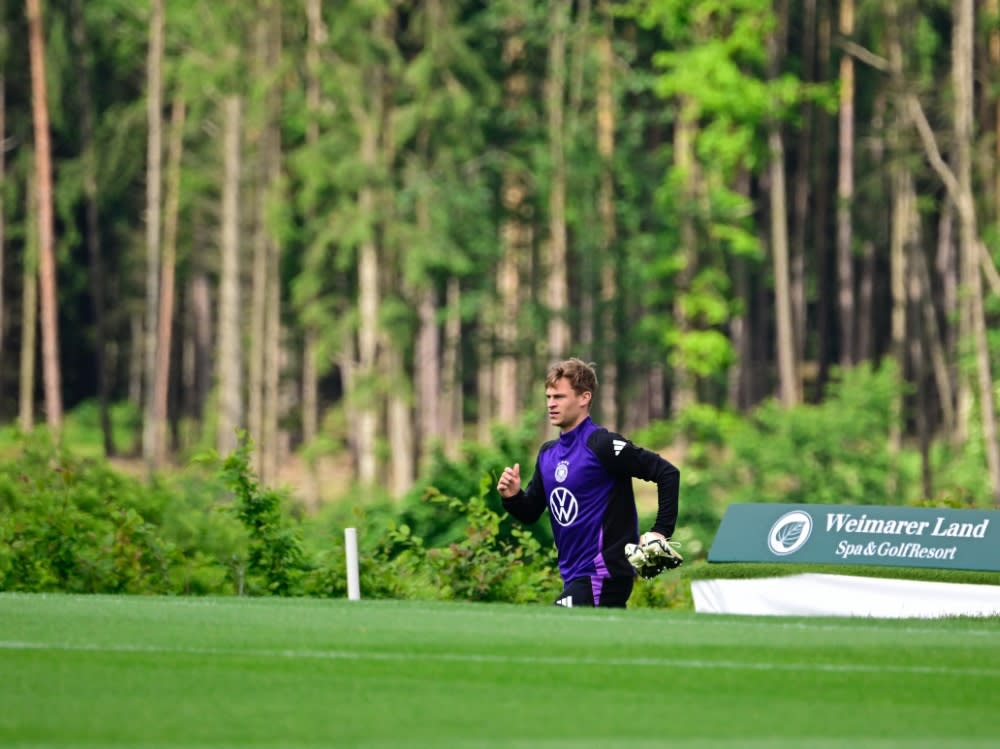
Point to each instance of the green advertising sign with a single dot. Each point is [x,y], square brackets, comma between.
[853,534]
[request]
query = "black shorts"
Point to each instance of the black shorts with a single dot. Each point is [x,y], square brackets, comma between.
[603,592]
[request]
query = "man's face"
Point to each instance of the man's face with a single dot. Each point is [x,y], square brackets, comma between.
[566,408]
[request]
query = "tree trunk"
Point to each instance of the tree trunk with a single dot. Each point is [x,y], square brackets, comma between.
[400,423]
[310,415]
[785,336]
[802,189]
[229,360]
[947,270]
[348,362]
[555,92]
[918,345]
[509,291]
[165,317]
[608,257]
[845,194]
[259,311]
[788,366]
[685,134]
[368,304]
[369,122]
[903,228]
[584,35]
[154,186]
[93,237]
[740,384]
[826,302]
[200,312]
[515,244]
[427,364]
[427,369]
[271,442]
[46,241]
[29,316]
[865,341]
[993,11]
[963,46]
[317,36]
[485,373]
[400,431]
[737,390]
[451,375]
[901,185]
[136,360]
[936,348]
[3,207]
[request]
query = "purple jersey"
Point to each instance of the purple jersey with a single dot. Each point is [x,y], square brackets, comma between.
[584,479]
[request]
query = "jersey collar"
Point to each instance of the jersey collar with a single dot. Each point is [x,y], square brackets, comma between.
[568,438]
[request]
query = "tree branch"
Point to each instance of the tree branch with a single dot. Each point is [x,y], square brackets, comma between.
[865,55]
[962,201]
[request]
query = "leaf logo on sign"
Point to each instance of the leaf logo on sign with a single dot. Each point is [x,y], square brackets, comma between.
[789,533]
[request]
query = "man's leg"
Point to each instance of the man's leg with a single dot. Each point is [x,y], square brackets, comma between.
[603,592]
[611,592]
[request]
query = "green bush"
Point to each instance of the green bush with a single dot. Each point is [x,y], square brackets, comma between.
[75,525]
[275,561]
[833,452]
[443,523]
[485,564]
[71,523]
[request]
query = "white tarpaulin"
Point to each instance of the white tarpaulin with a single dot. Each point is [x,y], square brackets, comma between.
[843,595]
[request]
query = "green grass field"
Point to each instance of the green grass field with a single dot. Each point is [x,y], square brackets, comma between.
[98,671]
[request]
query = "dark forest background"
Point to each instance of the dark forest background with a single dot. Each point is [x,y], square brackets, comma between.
[361,230]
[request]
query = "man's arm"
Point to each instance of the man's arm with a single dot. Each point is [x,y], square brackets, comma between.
[525,505]
[623,458]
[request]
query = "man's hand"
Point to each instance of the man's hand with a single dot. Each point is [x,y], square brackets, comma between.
[653,554]
[510,481]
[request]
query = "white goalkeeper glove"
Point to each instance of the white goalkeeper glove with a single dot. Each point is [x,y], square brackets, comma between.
[653,554]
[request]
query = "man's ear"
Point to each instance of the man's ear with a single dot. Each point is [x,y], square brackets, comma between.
[587,397]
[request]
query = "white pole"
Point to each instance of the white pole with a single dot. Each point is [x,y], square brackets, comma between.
[353,579]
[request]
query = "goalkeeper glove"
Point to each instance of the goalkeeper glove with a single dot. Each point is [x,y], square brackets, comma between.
[653,554]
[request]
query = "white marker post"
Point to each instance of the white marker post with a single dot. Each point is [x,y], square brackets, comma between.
[353,578]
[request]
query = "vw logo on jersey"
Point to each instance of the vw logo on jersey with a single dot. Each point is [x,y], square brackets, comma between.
[562,471]
[563,506]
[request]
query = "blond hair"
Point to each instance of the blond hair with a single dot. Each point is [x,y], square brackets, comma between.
[582,377]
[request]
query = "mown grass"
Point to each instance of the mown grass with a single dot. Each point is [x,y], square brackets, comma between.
[702,570]
[101,671]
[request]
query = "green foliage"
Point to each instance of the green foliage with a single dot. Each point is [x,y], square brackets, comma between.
[274,561]
[77,525]
[82,427]
[484,565]
[959,477]
[439,523]
[667,591]
[71,524]
[836,451]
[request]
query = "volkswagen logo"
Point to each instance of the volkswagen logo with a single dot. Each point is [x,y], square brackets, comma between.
[563,505]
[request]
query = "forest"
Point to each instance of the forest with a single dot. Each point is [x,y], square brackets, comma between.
[364,228]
